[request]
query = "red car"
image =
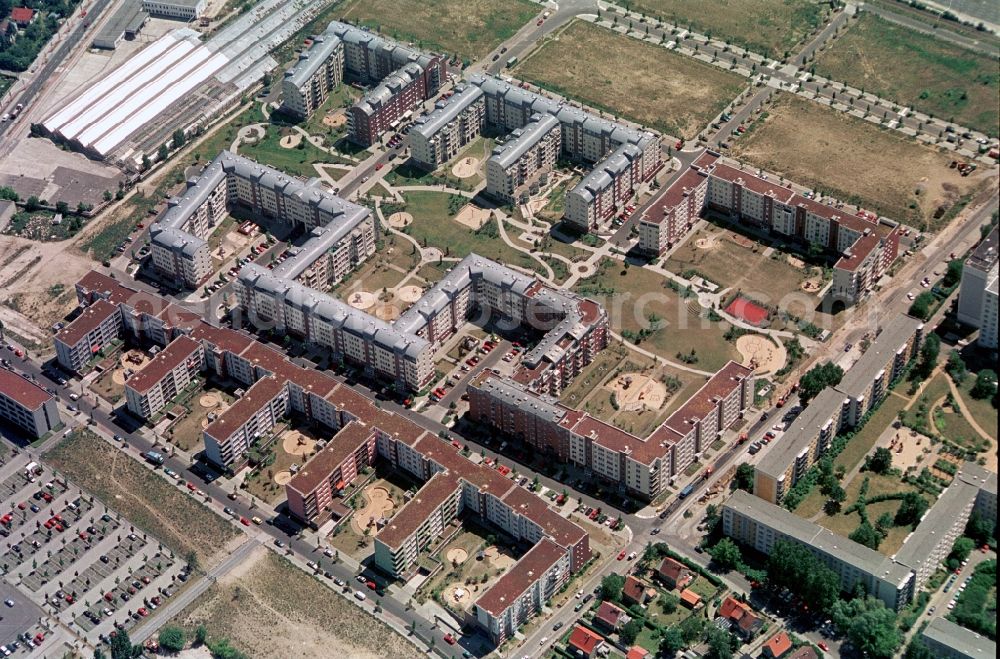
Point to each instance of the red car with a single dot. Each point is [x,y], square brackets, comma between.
[823,646]
[371,585]
[191,487]
[109,596]
[39,638]
[22,505]
[244,521]
[143,612]
[621,556]
[378,166]
[449,639]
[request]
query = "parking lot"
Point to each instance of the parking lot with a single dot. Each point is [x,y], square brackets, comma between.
[74,559]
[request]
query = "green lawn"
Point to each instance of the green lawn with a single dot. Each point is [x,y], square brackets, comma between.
[865,439]
[468,29]
[635,295]
[433,225]
[982,410]
[297,161]
[769,27]
[927,73]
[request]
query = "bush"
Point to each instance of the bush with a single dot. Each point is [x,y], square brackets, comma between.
[171,638]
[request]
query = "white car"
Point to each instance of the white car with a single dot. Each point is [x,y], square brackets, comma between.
[358,595]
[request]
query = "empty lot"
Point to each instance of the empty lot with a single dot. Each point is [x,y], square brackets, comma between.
[769,27]
[929,74]
[853,160]
[267,607]
[468,29]
[637,80]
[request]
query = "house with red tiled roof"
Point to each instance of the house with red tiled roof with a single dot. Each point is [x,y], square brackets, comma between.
[690,599]
[804,652]
[23,16]
[637,652]
[674,574]
[611,616]
[744,622]
[585,642]
[635,591]
[777,646]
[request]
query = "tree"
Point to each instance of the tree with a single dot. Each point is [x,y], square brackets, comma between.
[986,385]
[979,528]
[62,207]
[146,162]
[719,644]
[122,648]
[929,352]
[880,461]
[171,638]
[817,379]
[911,509]
[692,628]
[884,523]
[611,587]
[726,554]
[917,649]
[960,550]
[794,567]
[668,602]
[162,153]
[866,535]
[953,274]
[956,367]
[628,633]
[177,139]
[32,204]
[744,477]
[869,626]
[921,307]
[671,642]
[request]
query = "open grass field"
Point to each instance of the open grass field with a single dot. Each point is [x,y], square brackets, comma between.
[853,160]
[267,607]
[186,433]
[769,27]
[982,410]
[146,499]
[434,226]
[633,295]
[865,439]
[468,29]
[729,264]
[918,70]
[639,81]
[106,387]
[296,161]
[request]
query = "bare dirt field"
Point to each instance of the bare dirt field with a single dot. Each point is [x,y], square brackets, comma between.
[268,608]
[466,28]
[769,27]
[854,161]
[472,216]
[638,80]
[145,498]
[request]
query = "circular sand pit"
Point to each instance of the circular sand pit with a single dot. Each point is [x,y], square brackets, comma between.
[209,401]
[472,216]
[282,477]
[361,300]
[118,376]
[409,294]
[335,119]
[457,555]
[501,561]
[291,141]
[400,220]
[761,353]
[705,243]
[811,285]
[634,392]
[465,168]
[377,504]
[295,443]
[387,312]
[461,596]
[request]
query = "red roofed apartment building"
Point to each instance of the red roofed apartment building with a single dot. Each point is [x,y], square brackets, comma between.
[172,369]
[26,405]
[97,326]
[867,246]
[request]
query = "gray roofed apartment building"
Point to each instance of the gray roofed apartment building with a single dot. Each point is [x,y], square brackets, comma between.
[947,640]
[318,71]
[440,135]
[518,167]
[977,296]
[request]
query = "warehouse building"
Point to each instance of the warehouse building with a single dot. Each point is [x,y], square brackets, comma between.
[125,23]
[183,10]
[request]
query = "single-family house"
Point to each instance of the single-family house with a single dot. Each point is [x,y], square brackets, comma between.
[584,642]
[777,646]
[635,591]
[744,622]
[674,574]
[610,616]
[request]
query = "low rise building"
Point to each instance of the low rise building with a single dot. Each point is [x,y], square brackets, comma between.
[758,524]
[95,328]
[439,136]
[945,639]
[166,375]
[184,10]
[518,167]
[27,406]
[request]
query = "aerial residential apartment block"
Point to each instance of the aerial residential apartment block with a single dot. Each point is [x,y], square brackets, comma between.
[758,524]
[640,467]
[977,296]
[26,405]
[440,135]
[867,247]
[318,71]
[384,105]
[250,418]
[95,328]
[166,375]
[946,640]
[517,168]
[863,386]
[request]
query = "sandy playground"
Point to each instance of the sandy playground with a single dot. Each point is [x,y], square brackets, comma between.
[811,285]
[283,477]
[361,300]
[465,168]
[400,220]
[907,447]
[377,504]
[291,141]
[209,401]
[761,353]
[335,119]
[133,360]
[409,294]
[295,443]
[634,392]
[499,560]
[387,312]
[472,216]
[457,555]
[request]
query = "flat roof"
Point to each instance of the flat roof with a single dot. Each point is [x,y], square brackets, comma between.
[985,255]
[826,408]
[176,352]
[964,642]
[893,336]
[341,446]
[90,319]
[409,518]
[22,391]
[521,576]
